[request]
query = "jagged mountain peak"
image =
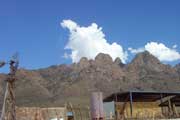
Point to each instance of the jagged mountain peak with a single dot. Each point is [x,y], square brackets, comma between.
[145,58]
[118,61]
[104,58]
[146,61]
[83,63]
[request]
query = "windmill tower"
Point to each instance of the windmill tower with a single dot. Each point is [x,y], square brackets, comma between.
[9,97]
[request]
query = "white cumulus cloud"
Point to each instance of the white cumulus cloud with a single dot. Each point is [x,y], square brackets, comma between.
[159,50]
[89,41]
[135,51]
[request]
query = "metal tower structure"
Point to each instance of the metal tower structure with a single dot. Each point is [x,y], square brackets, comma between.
[9,97]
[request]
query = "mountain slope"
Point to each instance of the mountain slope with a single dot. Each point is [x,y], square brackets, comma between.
[55,85]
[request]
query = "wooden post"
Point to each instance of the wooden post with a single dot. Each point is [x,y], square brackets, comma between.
[115,104]
[47,113]
[89,113]
[131,107]
[170,107]
[161,103]
[80,112]
[73,111]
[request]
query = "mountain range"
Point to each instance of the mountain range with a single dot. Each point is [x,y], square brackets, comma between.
[57,84]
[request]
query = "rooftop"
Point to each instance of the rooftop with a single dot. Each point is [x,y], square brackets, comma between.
[139,96]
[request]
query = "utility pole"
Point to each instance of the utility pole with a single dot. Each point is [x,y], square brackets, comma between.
[9,97]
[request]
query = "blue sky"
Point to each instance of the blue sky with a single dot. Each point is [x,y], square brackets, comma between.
[32,27]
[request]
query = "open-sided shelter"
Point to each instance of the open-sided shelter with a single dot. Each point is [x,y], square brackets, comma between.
[140,104]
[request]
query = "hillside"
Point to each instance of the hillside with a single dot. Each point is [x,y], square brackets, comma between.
[55,85]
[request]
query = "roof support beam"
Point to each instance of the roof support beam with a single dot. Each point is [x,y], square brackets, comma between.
[161,103]
[131,100]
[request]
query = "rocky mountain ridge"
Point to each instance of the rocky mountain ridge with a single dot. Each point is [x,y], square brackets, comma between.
[55,85]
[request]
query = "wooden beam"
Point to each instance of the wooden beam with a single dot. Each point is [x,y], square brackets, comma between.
[131,107]
[161,103]
[170,107]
